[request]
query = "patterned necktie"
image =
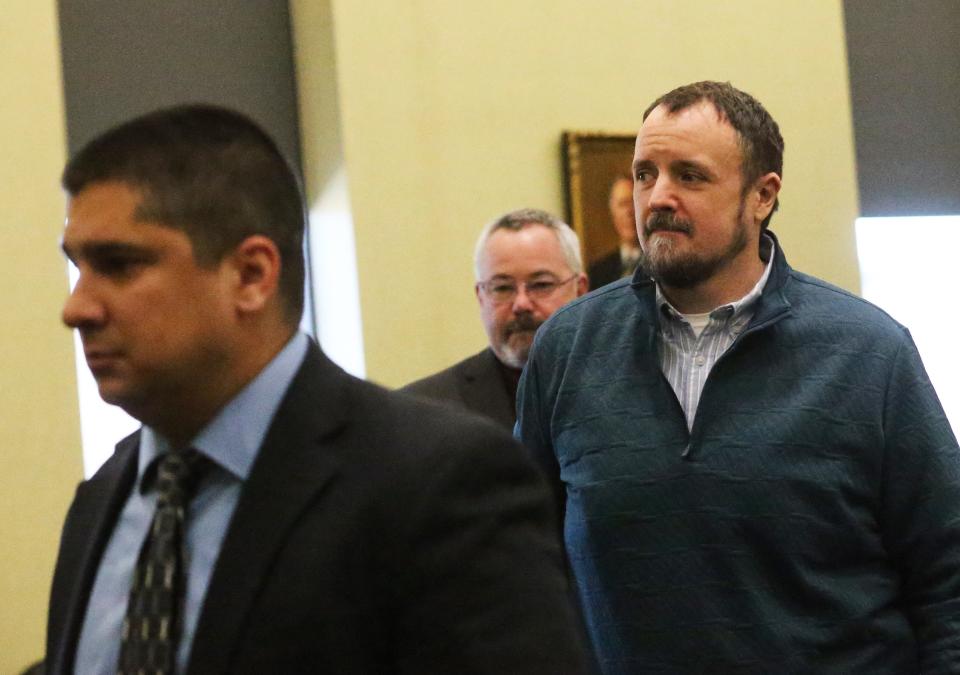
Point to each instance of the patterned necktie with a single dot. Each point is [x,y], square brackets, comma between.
[151,627]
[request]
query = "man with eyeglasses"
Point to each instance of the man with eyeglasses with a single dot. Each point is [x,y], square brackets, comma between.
[527,265]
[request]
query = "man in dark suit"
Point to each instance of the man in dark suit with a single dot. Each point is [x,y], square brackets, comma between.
[281,515]
[622,261]
[527,265]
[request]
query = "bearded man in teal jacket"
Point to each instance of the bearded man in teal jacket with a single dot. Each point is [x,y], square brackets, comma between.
[756,472]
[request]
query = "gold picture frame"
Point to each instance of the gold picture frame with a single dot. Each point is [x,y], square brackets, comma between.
[592,160]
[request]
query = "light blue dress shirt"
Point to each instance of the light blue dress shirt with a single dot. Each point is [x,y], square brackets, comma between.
[232,440]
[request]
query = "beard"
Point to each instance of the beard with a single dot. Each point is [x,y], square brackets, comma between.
[673,268]
[516,338]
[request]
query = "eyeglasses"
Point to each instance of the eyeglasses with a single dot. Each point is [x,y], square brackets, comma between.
[505,290]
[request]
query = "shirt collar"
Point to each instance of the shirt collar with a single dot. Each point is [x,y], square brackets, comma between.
[739,307]
[233,437]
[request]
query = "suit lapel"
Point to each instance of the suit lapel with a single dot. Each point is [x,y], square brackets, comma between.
[290,470]
[89,524]
[482,388]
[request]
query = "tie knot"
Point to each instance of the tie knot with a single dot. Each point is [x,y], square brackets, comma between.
[178,474]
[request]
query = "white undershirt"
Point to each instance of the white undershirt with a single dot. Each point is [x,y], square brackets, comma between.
[697,321]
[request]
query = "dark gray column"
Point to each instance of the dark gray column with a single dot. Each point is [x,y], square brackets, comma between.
[904,58]
[125,57]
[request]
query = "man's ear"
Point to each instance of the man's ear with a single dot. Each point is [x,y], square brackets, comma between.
[765,191]
[583,284]
[256,265]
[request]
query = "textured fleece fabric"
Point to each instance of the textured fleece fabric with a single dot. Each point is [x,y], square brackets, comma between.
[808,523]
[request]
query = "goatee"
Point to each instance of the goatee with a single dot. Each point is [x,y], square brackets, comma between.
[673,269]
[514,353]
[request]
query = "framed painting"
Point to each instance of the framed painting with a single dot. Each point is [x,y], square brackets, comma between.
[592,161]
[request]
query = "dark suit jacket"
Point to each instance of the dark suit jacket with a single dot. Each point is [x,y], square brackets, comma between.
[375,534]
[605,270]
[476,384]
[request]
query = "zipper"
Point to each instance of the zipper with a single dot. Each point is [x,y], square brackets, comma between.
[694,430]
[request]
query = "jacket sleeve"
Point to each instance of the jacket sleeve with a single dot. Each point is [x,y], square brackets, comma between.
[920,509]
[485,585]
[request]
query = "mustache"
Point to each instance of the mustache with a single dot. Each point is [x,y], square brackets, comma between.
[666,221]
[523,323]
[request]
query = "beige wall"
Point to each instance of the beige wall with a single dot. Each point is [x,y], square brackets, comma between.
[451,113]
[39,433]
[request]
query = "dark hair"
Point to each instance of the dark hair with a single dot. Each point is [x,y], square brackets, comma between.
[210,172]
[761,144]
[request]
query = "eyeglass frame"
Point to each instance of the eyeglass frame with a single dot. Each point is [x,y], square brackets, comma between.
[517,285]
